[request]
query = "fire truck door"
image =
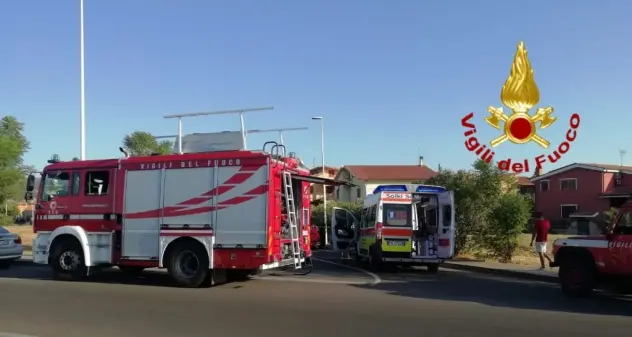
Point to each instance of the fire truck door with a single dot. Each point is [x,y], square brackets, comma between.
[620,245]
[447,225]
[55,197]
[141,231]
[344,228]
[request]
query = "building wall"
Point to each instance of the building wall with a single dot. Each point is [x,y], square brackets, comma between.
[317,189]
[589,186]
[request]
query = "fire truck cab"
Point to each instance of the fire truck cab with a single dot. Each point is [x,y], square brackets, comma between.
[400,224]
[205,217]
[587,262]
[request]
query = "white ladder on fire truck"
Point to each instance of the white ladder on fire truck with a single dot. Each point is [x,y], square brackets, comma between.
[291,217]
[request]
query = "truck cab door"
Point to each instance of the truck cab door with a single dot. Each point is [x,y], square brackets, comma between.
[447,225]
[619,257]
[54,198]
[344,229]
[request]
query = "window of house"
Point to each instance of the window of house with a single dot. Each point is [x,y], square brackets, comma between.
[567,210]
[329,189]
[311,189]
[358,193]
[56,184]
[97,183]
[618,179]
[76,180]
[544,185]
[569,184]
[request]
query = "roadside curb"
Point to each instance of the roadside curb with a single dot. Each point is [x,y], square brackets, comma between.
[501,272]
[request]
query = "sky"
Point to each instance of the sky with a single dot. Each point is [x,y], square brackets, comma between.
[391,79]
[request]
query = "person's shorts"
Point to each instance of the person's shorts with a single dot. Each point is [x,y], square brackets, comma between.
[540,247]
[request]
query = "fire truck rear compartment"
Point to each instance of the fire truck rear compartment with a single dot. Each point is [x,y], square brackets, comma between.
[189,199]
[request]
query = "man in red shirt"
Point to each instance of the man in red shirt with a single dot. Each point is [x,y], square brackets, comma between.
[540,235]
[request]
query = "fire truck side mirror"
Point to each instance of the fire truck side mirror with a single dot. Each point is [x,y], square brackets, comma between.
[30,183]
[28,196]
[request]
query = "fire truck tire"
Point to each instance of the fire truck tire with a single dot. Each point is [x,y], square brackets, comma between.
[578,277]
[67,260]
[188,264]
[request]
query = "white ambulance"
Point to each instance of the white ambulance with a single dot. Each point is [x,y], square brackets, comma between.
[401,225]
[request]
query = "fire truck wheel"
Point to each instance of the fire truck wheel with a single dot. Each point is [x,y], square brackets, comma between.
[67,261]
[577,277]
[188,264]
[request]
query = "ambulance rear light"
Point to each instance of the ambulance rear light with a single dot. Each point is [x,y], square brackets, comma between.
[390,188]
[378,231]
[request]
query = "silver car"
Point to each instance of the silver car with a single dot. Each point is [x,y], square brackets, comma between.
[10,248]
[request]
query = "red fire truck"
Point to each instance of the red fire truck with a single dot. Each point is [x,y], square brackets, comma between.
[205,217]
[587,262]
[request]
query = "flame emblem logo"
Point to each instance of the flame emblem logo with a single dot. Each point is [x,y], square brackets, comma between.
[520,93]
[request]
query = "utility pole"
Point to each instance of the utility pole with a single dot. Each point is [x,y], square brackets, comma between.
[622,153]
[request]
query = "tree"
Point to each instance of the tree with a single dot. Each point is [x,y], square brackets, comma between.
[482,196]
[13,144]
[140,143]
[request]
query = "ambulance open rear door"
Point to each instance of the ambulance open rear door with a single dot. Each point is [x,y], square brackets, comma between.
[447,225]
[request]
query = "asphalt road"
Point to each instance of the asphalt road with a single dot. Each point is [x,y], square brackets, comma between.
[332,301]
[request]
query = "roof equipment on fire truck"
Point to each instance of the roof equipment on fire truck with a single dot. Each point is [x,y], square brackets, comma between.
[223,112]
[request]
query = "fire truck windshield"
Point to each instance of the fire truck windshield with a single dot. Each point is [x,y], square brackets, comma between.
[55,184]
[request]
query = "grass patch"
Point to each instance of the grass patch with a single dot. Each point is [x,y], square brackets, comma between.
[524,254]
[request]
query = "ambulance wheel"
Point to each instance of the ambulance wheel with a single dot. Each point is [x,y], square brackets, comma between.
[131,271]
[375,261]
[67,260]
[188,264]
[433,268]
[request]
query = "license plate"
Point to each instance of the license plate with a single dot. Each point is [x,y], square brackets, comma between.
[4,242]
[396,243]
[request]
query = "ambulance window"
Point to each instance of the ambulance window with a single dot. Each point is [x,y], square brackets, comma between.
[371,218]
[97,183]
[56,184]
[397,215]
[76,180]
[447,216]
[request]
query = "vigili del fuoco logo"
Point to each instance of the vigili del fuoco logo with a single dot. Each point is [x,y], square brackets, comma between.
[519,93]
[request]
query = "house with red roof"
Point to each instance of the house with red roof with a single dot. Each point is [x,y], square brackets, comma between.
[367,177]
[582,188]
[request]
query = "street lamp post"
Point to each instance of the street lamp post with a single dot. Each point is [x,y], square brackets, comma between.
[240,112]
[82,113]
[322,152]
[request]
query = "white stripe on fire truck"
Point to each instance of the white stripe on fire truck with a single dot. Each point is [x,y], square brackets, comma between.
[72,217]
[581,243]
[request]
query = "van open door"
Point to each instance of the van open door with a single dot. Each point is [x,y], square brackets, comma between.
[344,228]
[447,225]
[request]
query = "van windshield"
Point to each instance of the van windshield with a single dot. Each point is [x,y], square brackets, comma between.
[397,215]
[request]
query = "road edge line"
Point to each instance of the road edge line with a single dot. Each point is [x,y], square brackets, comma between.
[501,272]
[376,279]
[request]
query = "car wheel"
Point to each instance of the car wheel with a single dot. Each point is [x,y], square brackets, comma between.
[5,264]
